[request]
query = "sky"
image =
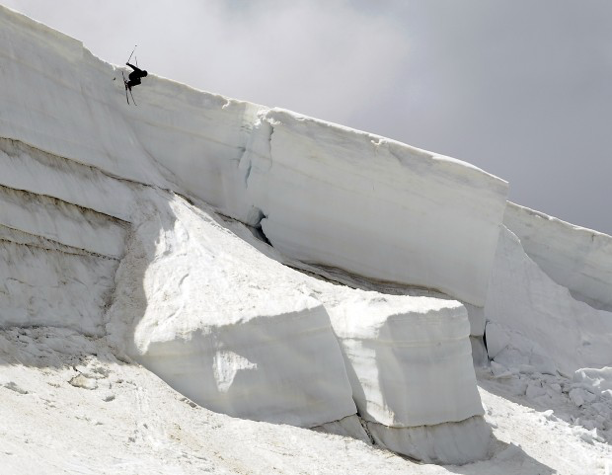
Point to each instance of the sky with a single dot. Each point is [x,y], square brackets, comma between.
[519,88]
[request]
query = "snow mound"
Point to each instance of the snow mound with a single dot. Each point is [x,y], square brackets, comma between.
[241,334]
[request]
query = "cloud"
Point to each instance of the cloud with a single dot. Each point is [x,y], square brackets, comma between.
[326,58]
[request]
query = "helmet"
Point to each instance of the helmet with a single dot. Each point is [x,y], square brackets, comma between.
[144,73]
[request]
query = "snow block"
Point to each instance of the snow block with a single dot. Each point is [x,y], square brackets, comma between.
[376,207]
[413,380]
[577,258]
[284,369]
[595,380]
[223,324]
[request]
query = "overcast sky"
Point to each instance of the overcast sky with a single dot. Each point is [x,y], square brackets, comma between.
[520,88]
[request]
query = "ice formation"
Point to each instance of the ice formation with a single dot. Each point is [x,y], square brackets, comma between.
[130,223]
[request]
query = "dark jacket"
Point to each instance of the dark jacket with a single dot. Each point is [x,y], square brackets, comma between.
[135,75]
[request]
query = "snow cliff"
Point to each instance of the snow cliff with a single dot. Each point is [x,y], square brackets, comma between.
[322,193]
[209,239]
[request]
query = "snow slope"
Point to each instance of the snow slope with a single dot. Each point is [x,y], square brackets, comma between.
[70,406]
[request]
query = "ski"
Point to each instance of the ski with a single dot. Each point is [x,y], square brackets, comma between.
[128,90]
[132,96]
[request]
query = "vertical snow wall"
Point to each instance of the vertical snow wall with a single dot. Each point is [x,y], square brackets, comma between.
[322,193]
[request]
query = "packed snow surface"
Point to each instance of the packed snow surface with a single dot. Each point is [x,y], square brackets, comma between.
[277,268]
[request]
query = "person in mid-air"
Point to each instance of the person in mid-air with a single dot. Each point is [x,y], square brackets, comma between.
[135,75]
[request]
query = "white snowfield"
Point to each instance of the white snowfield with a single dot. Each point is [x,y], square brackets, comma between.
[278,268]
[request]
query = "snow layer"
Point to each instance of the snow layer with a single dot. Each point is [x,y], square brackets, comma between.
[326,192]
[29,169]
[533,321]
[43,283]
[62,222]
[577,258]
[58,257]
[395,342]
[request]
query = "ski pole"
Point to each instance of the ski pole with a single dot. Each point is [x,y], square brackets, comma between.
[132,53]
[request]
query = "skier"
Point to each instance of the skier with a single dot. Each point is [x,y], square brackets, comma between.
[134,77]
